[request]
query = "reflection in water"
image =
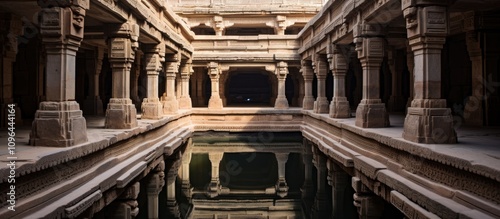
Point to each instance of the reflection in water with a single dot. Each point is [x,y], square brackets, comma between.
[246,175]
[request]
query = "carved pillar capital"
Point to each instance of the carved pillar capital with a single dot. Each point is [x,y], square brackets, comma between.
[281,70]
[320,66]
[154,56]
[337,61]
[426,26]
[62,22]
[213,70]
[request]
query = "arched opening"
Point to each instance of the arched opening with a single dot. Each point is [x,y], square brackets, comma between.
[249,88]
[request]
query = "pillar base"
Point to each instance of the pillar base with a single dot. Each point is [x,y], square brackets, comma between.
[308,103]
[58,124]
[371,115]
[321,105]
[170,105]
[214,189]
[281,188]
[151,108]
[186,189]
[185,103]
[173,209]
[339,108]
[429,125]
[93,106]
[281,103]
[215,103]
[121,114]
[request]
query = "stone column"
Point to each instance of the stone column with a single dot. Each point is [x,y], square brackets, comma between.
[93,102]
[172,206]
[134,79]
[339,180]
[320,206]
[307,74]
[395,100]
[428,120]
[281,73]
[214,187]
[369,205]
[473,111]
[59,120]
[126,206]
[281,185]
[169,100]
[410,62]
[215,101]
[222,88]
[10,28]
[154,187]
[186,72]
[121,113]
[300,90]
[151,107]
[307,157]
[339,107]
[321,70]
[371,112]
[185,181]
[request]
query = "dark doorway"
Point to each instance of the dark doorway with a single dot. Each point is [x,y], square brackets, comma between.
[248,89]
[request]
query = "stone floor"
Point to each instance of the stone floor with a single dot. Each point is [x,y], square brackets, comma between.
[480,146]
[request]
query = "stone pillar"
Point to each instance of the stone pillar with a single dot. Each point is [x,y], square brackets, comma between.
[473,111]
[321,70]
[222,88]
[395,100]
[121,113]
[151,107]
[410,62]
[186,72]
[320,206]
[10,28]
[281,73]
[371,112]
[126,206]
[93,102]
[307,157]
[307,74]
[369,205]
[339,107]
[281,185]
[172,206]
[428,120]
[134,79]
[214,187]
[154,187]
[215,101]
[300,88]
[184,175]
[59,120]
[169,100]
[339,180]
